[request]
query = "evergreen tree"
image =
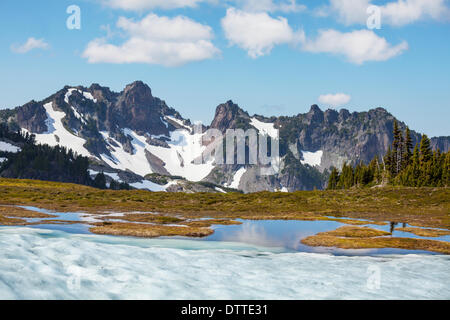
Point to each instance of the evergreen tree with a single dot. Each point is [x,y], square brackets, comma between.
[346,179]
[333,180]
[415,171]
[397,146]
[124,186]
[114,185]
[408,145]
[425,149]
[376,170]
[100,181]
[446,171]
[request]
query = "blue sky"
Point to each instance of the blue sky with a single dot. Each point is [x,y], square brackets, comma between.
[271,57]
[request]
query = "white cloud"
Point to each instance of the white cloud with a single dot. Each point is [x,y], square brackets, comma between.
[156,40]
[247,5]
[334,100]
[405,12]
[357,46]
[137,5]
[270,5]
[257,32]
[396,13]
[31,44]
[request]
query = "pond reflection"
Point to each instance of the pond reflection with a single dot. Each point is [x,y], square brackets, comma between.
[279,234]
[289,233]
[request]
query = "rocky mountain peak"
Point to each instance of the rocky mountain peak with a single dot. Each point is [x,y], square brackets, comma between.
[315,114]
[137,109]
[227,115]
[137,93]
[315,109]
[331,116]
[344,114]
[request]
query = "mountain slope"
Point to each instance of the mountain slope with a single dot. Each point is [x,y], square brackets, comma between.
[132,134]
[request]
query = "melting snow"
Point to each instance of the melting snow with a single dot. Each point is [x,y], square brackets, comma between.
[46,264]
[312,158]
[7,147]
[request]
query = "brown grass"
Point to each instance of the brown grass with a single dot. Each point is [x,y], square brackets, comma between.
[426,207]
[357,232]
[370,239]
[425,232]
[148,231]
[16,212]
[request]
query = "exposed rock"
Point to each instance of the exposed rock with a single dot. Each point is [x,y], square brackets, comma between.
[227,116]
[156,163]
[32,116]
[136,108]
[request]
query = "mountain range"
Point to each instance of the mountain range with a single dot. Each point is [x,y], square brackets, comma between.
[137,138]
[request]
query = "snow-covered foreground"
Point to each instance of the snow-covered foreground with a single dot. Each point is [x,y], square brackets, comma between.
[45,264]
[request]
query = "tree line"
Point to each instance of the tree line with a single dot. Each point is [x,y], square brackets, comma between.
[402,165]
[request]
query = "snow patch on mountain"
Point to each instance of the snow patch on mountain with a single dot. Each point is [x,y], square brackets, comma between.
[148,185]
[220,190]
[237,178]
[143,185]
[8,147]
[179,158]
[58,135]
[78,115]
[266,128]
[89,96]
[86,95]
[122,160]
[312,158]
[179,122]
[114,176]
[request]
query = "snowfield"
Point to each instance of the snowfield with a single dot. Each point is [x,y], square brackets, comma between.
[312,158]
[136,162]
[8,147]
[48,264]
[184,148]
[58,135]
[237,178]
[266,128]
